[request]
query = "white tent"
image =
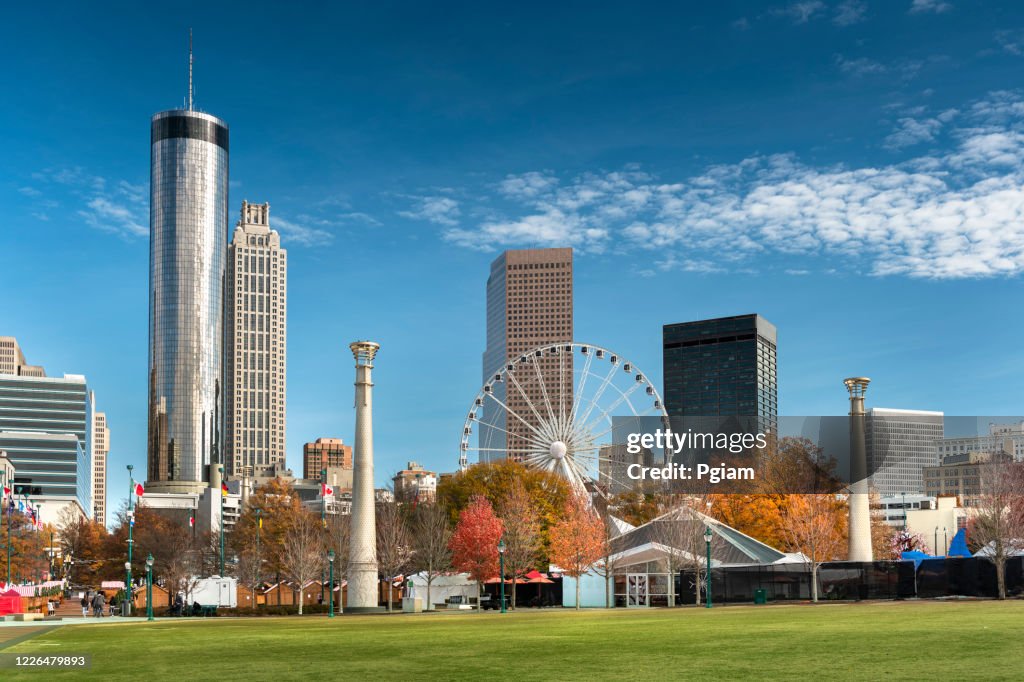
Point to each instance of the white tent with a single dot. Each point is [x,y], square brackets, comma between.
[443,587]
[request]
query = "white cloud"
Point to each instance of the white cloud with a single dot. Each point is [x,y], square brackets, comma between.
[859,67]
[1011,41]
[933,6]
[30,192]
[951,214]
[911,131]
[300,234]
[116,217]
[439,210]
[801,12]
[849,12]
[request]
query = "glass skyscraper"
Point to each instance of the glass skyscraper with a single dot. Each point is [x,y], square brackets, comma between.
[188,234]
[722,367]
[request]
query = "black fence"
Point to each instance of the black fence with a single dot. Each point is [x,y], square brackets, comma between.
[843,580]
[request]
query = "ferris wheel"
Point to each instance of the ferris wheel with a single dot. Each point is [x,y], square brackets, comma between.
[552,408]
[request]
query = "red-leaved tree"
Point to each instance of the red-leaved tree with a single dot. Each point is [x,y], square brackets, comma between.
[577,541]
[474,543]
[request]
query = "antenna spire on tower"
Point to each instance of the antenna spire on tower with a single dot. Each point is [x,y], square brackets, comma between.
[190,69]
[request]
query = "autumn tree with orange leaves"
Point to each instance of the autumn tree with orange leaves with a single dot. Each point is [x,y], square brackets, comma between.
[474,543]
[577,540]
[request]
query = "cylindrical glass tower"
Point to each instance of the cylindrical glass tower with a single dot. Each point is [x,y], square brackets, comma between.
[188,217]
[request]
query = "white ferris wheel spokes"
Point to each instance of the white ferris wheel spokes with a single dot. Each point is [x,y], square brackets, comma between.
[552,409]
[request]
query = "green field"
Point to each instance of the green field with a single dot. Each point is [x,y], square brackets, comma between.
[944,640]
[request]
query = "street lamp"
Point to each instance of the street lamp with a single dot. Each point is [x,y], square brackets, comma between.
[330,591]
[501,564]
[935,543]
[904,511]
[131,526]
[220,468]
[707,568]
[149,587]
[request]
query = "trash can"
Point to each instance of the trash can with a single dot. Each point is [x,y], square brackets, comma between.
[760,596]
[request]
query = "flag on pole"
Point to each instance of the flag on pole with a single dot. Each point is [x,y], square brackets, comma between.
[192,521]
[139,489]
[224,488]
[260,521]
[327,490]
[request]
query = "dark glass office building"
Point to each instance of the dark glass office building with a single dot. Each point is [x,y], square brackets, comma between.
[722,367]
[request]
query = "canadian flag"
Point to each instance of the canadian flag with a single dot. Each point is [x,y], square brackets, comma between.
[327,491]
[139,489]
[191,522]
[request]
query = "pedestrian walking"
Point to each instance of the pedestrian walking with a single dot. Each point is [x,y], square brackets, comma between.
[97,604]
[85,604]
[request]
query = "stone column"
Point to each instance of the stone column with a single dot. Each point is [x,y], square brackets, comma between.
[860,512]
[363,582]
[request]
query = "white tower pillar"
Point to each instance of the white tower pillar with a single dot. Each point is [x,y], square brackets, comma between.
[362,567]
[860,512]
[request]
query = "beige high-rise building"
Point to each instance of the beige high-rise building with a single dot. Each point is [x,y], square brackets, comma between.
[529,304]
[100,448]
[255,343]
[12,360]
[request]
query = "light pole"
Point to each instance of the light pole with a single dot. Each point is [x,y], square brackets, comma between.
[149,587]
[945,541]
[935,543]
[259,557]
[501,569]
[904,511]
[330,592]
[323,521]
[51,553]
[707,569]
[131,526]
[220,468]
[129,593]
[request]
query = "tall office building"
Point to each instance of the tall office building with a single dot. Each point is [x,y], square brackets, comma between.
[12,360]
[325,453]
[188,229]
[722,367]
[255,329]
[900,444]
[46,429]
[529,304]
[100,448]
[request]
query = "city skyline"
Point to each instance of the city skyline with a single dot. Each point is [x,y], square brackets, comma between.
[589,156]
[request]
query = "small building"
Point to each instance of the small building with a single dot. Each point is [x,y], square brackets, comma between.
[640,559]
[938,525]
[415,484]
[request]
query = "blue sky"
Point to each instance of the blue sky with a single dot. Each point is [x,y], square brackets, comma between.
[850,170]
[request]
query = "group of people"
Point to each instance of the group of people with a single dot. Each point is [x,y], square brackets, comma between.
[96,601]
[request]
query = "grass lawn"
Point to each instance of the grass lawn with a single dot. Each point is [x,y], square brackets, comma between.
[938,640]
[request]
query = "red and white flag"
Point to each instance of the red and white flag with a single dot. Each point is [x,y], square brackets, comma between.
[327,490]
[191,522]
[139,489]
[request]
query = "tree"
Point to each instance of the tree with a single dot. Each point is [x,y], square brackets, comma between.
[432,535]
[547,491]
[303,551]
[279,508]
[474,543]
[998,525]
[339,536]
[577,540]
[680,532]
[393,546]
[636,508]
[905,541]
[29,558]
[81,541]
[522,533]
[607,565]
[816,527]
[758,515]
